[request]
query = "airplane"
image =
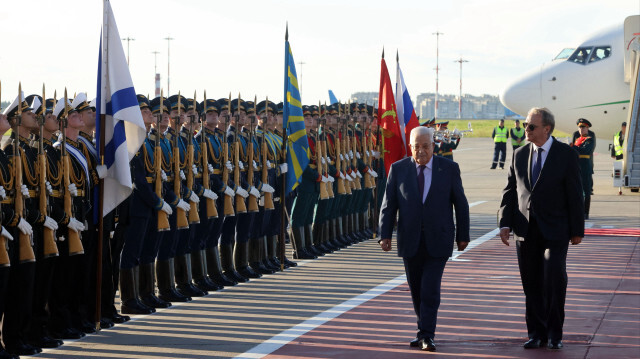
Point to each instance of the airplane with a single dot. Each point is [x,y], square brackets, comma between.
[587,81]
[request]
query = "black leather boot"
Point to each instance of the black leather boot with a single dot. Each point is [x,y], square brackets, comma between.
[587,207]
[166,282]
[298,241]
[199,272]
[184,281]
[148,287]
[310,241]
[214,270]
[256,247]
[226,260]
[241,258]
[129,302]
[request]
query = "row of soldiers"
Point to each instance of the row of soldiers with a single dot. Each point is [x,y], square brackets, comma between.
[204,212]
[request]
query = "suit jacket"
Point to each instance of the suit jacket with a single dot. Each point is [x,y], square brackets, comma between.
[555,200]
[434,217]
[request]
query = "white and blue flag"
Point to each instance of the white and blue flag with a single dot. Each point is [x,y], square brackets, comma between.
[116,100]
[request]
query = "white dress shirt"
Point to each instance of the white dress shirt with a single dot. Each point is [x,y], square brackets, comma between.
[427,177]
[546,147]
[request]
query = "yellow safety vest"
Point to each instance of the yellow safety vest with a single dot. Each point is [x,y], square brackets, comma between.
[616,144]
[501,135]
[518,134]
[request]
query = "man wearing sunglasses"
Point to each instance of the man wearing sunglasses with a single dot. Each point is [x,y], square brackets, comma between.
[542,204]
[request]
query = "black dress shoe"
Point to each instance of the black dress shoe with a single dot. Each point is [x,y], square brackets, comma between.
[415,343]
[119,319]
[555,344]
[24,349]
[427,344]
[67,333]
[46,342]
[106,323]
[87,327]
[534,343]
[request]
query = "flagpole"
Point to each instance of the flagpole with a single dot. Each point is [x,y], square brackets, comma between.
[101,124]
[283,188]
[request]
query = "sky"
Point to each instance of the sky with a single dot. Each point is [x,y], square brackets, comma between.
[238,46]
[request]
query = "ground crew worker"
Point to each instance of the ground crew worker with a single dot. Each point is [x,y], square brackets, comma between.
[618,142]
[517,136]
[499,135]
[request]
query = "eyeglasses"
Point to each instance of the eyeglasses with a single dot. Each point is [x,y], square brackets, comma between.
[421,147]
[529,126]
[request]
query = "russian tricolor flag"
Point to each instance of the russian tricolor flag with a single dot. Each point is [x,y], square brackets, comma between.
[406,113]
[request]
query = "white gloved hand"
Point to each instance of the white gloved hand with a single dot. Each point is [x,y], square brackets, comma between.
[267,188]
[358,155]
[166,208]
[6,234]
[323,160]
[25,227]
[254,192]
[75,225]
[350,154]
[349,178]
[50,223]
[341,175]
[255,165]
[73,189]
[49,188]
[102,171]
[341,157]
[210,168]
[194,198]
[268,164]
[367,153]
[194,169]
[25,191]
[241,165]
[358,174]
[372,173]
[325,179]
[182,176]
[242,192]
[284,168]
[210,194]
[183,205]
[163,175]
[3,193]
[376,154]
[229,165]
[229,191]
[331,179]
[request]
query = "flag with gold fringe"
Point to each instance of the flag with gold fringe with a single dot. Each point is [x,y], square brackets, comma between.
[293,122]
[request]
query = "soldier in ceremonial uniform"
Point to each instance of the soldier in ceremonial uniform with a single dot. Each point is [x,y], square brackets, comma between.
[585,144]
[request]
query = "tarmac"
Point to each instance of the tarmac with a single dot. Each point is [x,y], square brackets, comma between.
[355,303]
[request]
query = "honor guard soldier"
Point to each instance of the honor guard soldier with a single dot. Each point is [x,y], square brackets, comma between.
[500,136]
[585,144]
[448,143]
[517,136]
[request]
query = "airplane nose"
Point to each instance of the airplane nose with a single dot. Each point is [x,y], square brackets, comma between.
[523,94]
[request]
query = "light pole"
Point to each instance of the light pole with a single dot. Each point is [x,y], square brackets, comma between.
[461,60]
[155,71]
[168,38]
[128,40]
[437,33]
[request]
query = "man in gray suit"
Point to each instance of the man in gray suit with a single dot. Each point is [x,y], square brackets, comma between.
[422,191]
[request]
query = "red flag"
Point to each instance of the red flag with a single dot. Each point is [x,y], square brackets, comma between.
[392,145]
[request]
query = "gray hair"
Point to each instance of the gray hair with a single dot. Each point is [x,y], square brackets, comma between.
[547,117]
[419,131]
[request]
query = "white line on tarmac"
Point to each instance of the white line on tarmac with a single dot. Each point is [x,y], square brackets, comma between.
[278,341]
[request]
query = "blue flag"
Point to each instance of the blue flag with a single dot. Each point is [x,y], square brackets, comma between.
[293,123]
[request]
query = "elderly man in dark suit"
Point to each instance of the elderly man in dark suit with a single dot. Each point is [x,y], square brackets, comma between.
[542,204]
[422,191]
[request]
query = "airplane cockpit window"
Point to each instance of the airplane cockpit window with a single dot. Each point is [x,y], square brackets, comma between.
[564,54]
[581,55]
[600,53]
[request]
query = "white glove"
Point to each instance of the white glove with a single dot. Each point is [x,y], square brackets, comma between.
[182,176]
[284,168]
[241,165]
[25,227]
[163,175]
[229,192]
[358,155]
[210,168]
[349,178]
[242,192]
[350,154]
[3,193]
[210,194]
[75,225]
[325,179]
[341,175]
[376,154]
[166,208]
[341,157]
[323,160]
[358,174]
[367,152]
[194,198]
[61,239]
[331,179]
[25,191]
[183,205]
[372,173]
[49,188]
[268,164]
[50,223]
[73,189]
[254,192]
[255,165]
[229,165]
[6,234]
[328,159]
[267,188]
[194,169]
[102,171]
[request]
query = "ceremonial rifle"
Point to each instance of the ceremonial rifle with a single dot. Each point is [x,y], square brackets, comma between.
[323,138]
[228,203]
[49,236]
[339,167]
[268,197]
[194,217]
[163,217]
[319,159]
[4,245]
[181,216]
[212,211]
[241,207]
[252,202]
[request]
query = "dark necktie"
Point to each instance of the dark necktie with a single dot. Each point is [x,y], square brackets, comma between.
[421,181]
[535,173]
